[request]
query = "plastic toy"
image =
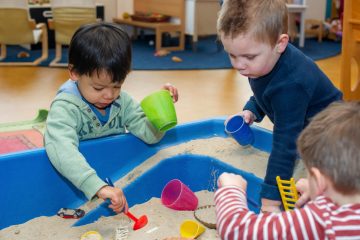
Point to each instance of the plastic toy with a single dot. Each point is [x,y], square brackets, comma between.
[288,192]
[176,59]
[178,196]
[160,110]
[91,235]
[191,229]
[71,213]
[161,53]
[138,222]
[237,128]
[121,233]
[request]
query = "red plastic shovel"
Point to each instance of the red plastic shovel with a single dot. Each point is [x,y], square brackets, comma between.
[139,222]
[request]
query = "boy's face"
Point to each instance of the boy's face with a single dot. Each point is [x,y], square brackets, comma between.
[97,90]
[251,58]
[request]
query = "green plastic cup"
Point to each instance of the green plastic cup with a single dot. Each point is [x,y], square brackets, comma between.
[160,110]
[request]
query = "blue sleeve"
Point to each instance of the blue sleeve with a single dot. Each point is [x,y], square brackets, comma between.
[252,106]
[290,105]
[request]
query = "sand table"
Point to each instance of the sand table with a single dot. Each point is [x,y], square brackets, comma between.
[163,222]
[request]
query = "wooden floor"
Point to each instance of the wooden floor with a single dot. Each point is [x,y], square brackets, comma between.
[203,93]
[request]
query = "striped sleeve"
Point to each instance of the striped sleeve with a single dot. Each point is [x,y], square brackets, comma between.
[235,221]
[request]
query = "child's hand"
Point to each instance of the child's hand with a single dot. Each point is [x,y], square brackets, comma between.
[249,117]
[230,179]
[116,196]
[302,186]
[173,91]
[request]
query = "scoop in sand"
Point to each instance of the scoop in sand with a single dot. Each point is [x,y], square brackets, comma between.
[139,222]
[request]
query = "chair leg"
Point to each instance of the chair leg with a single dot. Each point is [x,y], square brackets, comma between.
[3,51]
[158,39]
[181,40]
[44,44]
[55,62]
[135,33]
[320,36]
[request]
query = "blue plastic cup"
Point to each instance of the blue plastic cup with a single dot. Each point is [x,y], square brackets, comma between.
[239,130]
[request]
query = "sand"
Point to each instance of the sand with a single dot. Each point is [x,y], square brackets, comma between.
[164,223]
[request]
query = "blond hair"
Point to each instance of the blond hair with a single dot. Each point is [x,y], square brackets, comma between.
[331,143]
[265,20]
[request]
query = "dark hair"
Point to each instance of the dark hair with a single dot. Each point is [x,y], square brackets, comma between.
[98,47]
[331,143]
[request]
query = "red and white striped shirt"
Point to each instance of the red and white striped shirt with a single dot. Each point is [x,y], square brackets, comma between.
[319,219]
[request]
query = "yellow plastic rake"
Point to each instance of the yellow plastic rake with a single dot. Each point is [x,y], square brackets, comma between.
[288,192]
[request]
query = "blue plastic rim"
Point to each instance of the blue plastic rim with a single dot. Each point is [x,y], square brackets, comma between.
[240,130]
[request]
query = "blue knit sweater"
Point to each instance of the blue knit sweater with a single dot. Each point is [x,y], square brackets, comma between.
[293,92]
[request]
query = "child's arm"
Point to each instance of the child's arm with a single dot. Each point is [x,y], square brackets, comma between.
[254,108]
[230,196]
[289,117]
[61,142]
[235,221]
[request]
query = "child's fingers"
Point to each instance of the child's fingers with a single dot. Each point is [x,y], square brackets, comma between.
[302,200]
[174,94]
[302,185]
[231,179]
[173,91]
[126,207]
[248,117]
[119,205]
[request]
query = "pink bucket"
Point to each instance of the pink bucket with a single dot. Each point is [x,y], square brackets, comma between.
[176,195]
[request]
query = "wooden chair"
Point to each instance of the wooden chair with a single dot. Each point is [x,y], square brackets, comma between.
[173,8]
[16,28]
[314,27]
[67,17]
[350,53]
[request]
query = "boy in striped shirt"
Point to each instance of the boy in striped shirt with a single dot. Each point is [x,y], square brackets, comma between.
[329,147]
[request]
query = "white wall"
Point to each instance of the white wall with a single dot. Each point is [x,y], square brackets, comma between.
[110,8]
[124,6]
[316,9]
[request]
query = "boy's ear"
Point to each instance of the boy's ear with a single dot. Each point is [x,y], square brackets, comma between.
[282,43]
[72,73]
[320,179]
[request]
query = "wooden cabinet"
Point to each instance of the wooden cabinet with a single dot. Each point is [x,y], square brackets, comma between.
[350,51]
[200,18]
